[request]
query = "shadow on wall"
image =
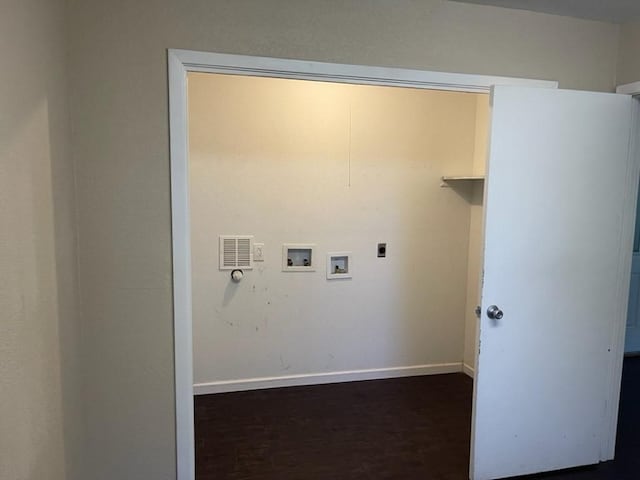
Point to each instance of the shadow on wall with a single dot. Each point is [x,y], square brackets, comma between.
[43,401]
[38,285]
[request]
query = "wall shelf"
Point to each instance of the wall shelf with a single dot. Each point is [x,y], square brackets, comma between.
[453,179]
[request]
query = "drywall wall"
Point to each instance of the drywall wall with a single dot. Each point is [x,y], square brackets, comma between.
[119,104]
[628,58]
[343,167]
[40,414]
[475,193]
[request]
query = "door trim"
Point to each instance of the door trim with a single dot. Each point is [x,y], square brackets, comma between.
[180,62]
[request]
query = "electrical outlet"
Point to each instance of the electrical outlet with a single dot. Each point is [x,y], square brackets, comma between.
[258,252]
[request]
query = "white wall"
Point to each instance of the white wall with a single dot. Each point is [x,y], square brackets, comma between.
[120,121]
[628,58]
[40,414]
[344,167]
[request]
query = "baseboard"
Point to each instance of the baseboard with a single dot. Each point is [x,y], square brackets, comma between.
[323,378]
[470,371]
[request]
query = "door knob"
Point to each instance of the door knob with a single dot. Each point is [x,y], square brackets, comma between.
[494,313]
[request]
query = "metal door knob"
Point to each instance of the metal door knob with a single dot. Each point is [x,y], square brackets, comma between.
[494,313]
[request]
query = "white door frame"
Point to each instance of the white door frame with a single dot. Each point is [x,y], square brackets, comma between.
[180,63]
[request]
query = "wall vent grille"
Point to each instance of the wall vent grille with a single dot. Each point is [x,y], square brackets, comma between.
[236,251]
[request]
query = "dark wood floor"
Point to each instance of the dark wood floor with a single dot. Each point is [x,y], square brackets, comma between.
[407,428]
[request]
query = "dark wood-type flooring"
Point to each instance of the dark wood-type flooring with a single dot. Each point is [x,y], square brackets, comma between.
[405,428]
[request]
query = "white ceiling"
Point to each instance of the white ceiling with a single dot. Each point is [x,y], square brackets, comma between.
[617,11]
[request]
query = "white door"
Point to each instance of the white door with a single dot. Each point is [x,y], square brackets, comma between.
[557,196]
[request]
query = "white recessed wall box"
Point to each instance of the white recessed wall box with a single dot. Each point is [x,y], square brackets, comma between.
[339,265]
[236,252]
[298,257]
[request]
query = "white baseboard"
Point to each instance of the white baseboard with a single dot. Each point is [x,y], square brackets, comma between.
[470,371]
[322,378]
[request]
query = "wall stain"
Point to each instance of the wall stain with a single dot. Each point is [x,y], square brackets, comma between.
[285,366]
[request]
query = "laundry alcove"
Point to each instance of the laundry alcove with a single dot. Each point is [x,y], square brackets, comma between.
[343,167]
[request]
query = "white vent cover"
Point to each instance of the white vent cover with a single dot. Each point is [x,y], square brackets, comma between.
[236,251]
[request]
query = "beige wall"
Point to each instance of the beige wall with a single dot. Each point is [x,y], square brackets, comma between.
[344,167]
[120,123]
[40,418]
[629,56]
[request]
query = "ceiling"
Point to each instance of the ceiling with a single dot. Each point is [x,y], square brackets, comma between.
[616,11]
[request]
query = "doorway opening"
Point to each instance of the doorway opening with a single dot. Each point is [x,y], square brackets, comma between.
[628,418]
[326,170]
[632,333]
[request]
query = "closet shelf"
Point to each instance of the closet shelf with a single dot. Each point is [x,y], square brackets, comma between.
[460,178]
